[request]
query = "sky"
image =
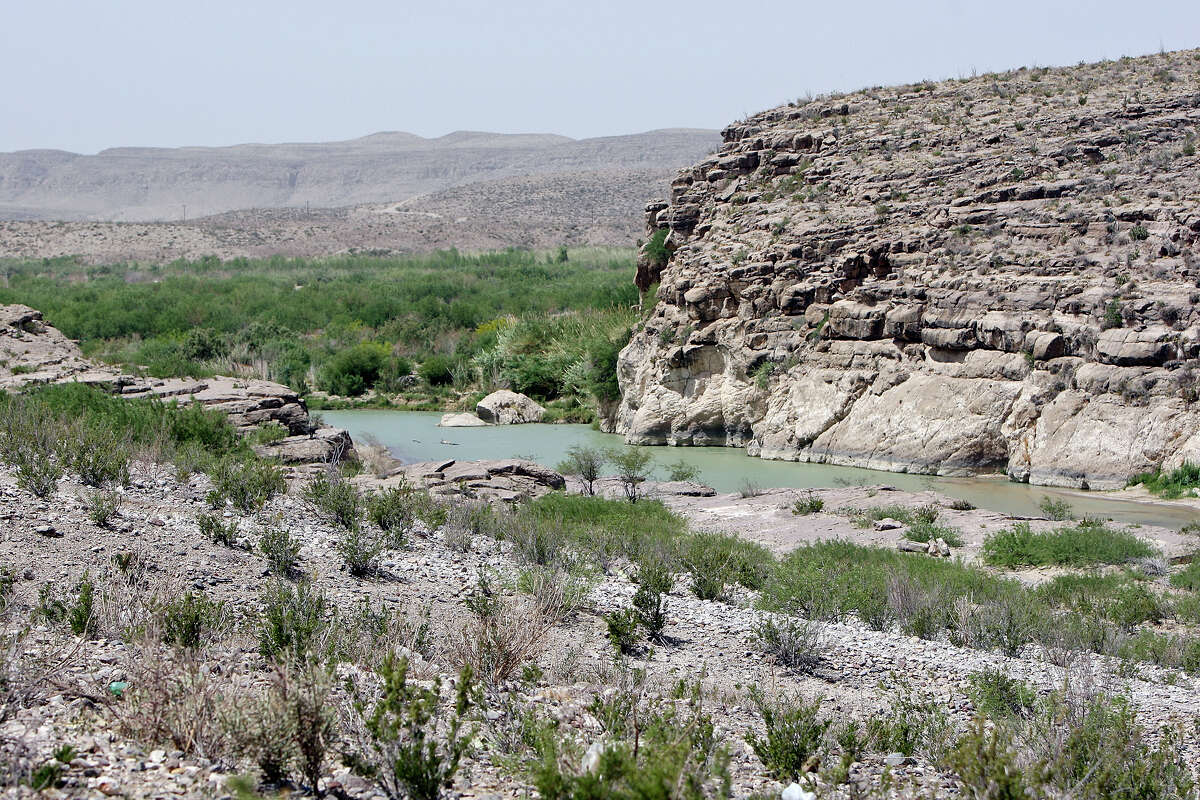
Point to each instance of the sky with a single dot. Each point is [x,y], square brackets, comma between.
[84,75]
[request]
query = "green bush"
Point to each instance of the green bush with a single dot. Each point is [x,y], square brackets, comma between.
[1179,482]
[793,644]
[633,469]
[212,528]
[585,463]
[100,456]
[360,550]
[1188,577]
[336,497]
[651,749]
[102,506]
[622,627]
[280,549]
[1057,510]
[809,504]
[414,741]
[354,370]
[246,482]
[1087,543]
[292,623]
[794,733]
[996,694]
[188,619]
[437,370]
[394,510]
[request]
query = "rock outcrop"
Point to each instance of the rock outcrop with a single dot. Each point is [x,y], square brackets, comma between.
[34,352]
[504,407]
[461,419]
[508,480]
[996,274]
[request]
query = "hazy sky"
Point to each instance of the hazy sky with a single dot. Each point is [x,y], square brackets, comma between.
[88,74]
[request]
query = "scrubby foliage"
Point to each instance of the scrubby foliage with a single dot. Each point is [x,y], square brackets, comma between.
[351,324]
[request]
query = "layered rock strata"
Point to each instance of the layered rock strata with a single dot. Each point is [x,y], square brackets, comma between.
[996,274]
[34,352]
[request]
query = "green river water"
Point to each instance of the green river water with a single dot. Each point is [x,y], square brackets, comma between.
[414,436]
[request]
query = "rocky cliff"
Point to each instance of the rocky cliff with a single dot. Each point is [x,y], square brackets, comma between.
[996,274]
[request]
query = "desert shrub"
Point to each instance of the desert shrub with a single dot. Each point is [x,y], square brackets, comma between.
[682,471]
[211,527]
[656,249]
[921,531]
[996,694]
[911,725]
[622,626]
[1188,577]
[715,559]
[988,764]
[289,726]
[793,644]
[75,608]
[500,636]
[649,607]
[585,463]
[557,593]
[176,699]
[280,548]
[633,469]
[269,432]
[246,482]
[602,377]
[809,504]
[652,748]
[336,497]
[100,456]
[1057,510]
[793,733]
[1087,543]
[360,550]
[293,622]
[102,506]
[29,442]
[408,739]
[393,509]
[607,528]
[187,619]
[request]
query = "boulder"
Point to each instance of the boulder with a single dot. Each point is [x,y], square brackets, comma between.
[460,420]
[508,408]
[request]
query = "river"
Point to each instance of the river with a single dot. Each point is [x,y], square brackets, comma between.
[414,436]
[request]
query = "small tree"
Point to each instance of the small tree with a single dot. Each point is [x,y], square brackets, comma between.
[633,469]
[584,463]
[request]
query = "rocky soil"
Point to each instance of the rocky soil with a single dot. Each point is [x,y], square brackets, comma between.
[995,274]
[859,674]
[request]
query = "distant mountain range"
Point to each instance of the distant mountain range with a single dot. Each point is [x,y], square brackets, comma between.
[143,184]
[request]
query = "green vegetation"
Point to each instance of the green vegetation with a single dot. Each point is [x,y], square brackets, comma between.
[1179,482]
[1088,543]
[412,740]
[920,521]
[350,324]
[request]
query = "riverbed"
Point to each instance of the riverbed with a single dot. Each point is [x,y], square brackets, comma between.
[413,436]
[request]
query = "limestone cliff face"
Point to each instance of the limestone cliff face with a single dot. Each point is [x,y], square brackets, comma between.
[990,275]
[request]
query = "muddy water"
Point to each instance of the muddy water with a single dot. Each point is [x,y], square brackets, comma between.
[414,436]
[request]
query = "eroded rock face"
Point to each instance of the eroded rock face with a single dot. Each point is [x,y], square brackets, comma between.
[997,274]
[508,408]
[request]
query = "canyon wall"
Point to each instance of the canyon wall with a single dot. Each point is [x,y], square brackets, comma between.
[996,274]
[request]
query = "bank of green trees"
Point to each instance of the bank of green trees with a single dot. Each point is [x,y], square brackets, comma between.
[415,326]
